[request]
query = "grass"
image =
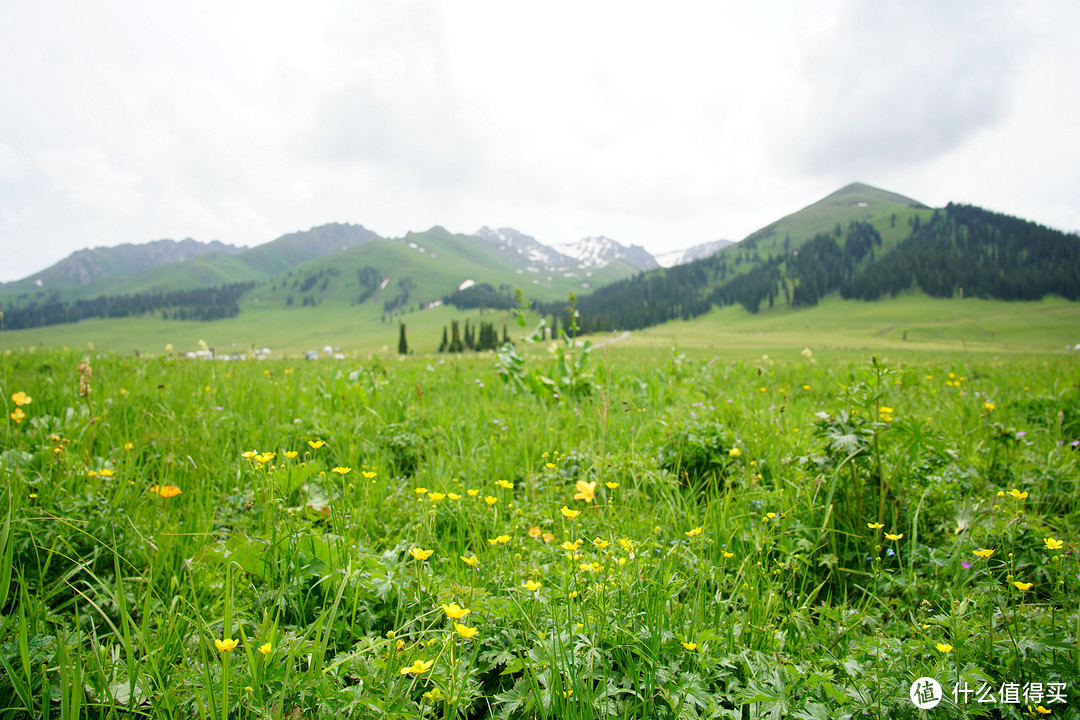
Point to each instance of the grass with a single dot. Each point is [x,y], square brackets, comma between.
[662,534]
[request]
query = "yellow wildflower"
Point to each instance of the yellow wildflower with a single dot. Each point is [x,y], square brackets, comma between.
[21,398]
[420,490]
[611,485]
[1022,586]
[988,406]
[465,632]
[166,491]
[418,668]
[600,543]
[984,553]
[944,647]
[691,646]
[490,499]
[694,532]
[875,526]
[890,536]
[532,585]
[18,416]
[453,496]
[266,648]
[435,496]
[129,446]
[1018,495]
[470,561]
[505,484]
[729,554]
[226,645]
[734,452]
[342,470]
[585,491]
[290,454]
[1052,544]
[455,611]
[421,554]
[570,513]
[473,493]
[369,474]
[535,532]
[315,444]
[501,540]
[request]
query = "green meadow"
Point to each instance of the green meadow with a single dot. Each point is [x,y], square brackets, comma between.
[792,514]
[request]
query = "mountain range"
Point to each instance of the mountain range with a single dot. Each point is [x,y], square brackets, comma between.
[859,241]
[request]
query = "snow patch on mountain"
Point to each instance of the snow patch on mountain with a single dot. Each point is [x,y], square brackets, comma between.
[595,252]
[688,255]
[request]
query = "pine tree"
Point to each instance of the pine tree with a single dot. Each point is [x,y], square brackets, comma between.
[443,345]
[402,343]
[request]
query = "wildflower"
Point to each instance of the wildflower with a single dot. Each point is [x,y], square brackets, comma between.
[418,668]
[226,645]
[433,695]
[505,484]
[342,470]
[548,537]
[988,406]
[585,491]
[694,532]
[129,446]
[453,496]
[473,493]
[18,416]
[768,516]
[570,546]
[290,454]
[549,466]
[1022,586]
[465,632]
[315,444]
[728,554]
[454,611]
[611,485]
[491,499]
[734,452]
[470,561]
[20,398]
[805,387]
[501,540]
[691,646]
[1052,544]
[369,474]
[263,458]
[435,496]
[534,532]
[1040,709]
[601,544]
[266,648]
[875,526]
[421,554]
[166,491]
[984,553]
[1017,494]
[890,536]
[249,454]
[944,647]
[531,585]
[570,513]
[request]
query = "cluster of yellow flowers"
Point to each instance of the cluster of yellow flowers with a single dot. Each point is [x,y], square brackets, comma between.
[20,399]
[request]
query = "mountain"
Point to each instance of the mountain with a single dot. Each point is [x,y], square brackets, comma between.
[595,252]
[525,251]
[697,252]
[85,266]
[299,247]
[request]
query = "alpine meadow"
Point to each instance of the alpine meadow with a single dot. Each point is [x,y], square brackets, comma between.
[829,471]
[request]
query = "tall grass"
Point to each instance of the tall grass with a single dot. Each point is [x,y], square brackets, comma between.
[740,539]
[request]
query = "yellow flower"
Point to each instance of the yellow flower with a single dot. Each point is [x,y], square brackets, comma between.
[548,537]
[290,454]
[435,496]
[944,647]
[129,446]
[341,470]
[266,648]
[267,457]
[694,532]
[734,452]
[532,585]
[535,532]
[729,554]
[885,410]
[585,491]
[453,496]
[421,554]
[611,485]
[369,474]
[465,632]
[226,645]
[569,546]
[418,668]
[890,536]
[166,491]
[984,553]
[1022,586]
[490,499]
[473,493]
[505,484]
[1052,544]
[691,646]
[874,526]
[20,398]
[455,611]
[549,466]
[570,513]
[315,444]
[433,695]
[249,454]
[502,539]
[106,472]
[470,561]
[1041,710]
[18,416]
[1018,495]
[988,407]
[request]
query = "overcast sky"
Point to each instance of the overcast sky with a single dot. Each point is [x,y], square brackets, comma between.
[663,125]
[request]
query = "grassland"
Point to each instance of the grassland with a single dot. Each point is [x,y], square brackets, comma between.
[646,531]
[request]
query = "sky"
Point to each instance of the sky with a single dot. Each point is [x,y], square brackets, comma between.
[662,125]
